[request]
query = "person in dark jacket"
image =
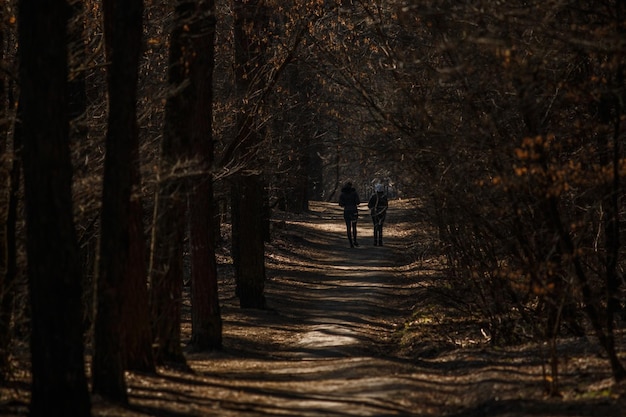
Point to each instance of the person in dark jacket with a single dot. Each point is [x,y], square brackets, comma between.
[349,200]
[378,204]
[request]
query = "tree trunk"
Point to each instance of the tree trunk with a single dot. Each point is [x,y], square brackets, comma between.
[8,189]
[247,194]
[119,272]
[206,322]
[186,108]
[248,245]
[59,385]
[610,157]
[138,337]
[166,267]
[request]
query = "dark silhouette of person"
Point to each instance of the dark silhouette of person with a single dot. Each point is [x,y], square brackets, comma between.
[349,200]
[378,204]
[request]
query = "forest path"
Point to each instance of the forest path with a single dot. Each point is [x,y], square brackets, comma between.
[318,351]
[328,344]
[321,347]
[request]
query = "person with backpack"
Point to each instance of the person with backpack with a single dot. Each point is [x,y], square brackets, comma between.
[349,200]
[378,204]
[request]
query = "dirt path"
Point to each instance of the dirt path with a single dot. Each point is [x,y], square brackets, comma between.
[358,332]
[319,350]
[328,345]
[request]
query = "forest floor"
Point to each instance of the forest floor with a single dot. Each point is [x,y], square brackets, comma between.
[360,332]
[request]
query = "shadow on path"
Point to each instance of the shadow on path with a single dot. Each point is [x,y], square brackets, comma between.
[325,346]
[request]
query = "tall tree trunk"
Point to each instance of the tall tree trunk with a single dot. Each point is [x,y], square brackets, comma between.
[8,246]
[166,263]
[139,355]
[248,244]
[251,19]
[206,322]
[612,232]
[138,336]
[612,202]
[119,238]
[9,185]
[77,110]
[610,157]
[59,385]
[6,161]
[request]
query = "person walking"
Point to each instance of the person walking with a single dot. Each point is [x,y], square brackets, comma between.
[378,204]
[349,200]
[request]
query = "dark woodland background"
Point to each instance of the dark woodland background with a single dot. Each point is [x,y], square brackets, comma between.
[132,132]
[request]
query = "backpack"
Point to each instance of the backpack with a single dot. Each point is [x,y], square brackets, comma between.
[380,206]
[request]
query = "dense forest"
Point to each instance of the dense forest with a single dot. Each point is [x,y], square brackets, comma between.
[132,132]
